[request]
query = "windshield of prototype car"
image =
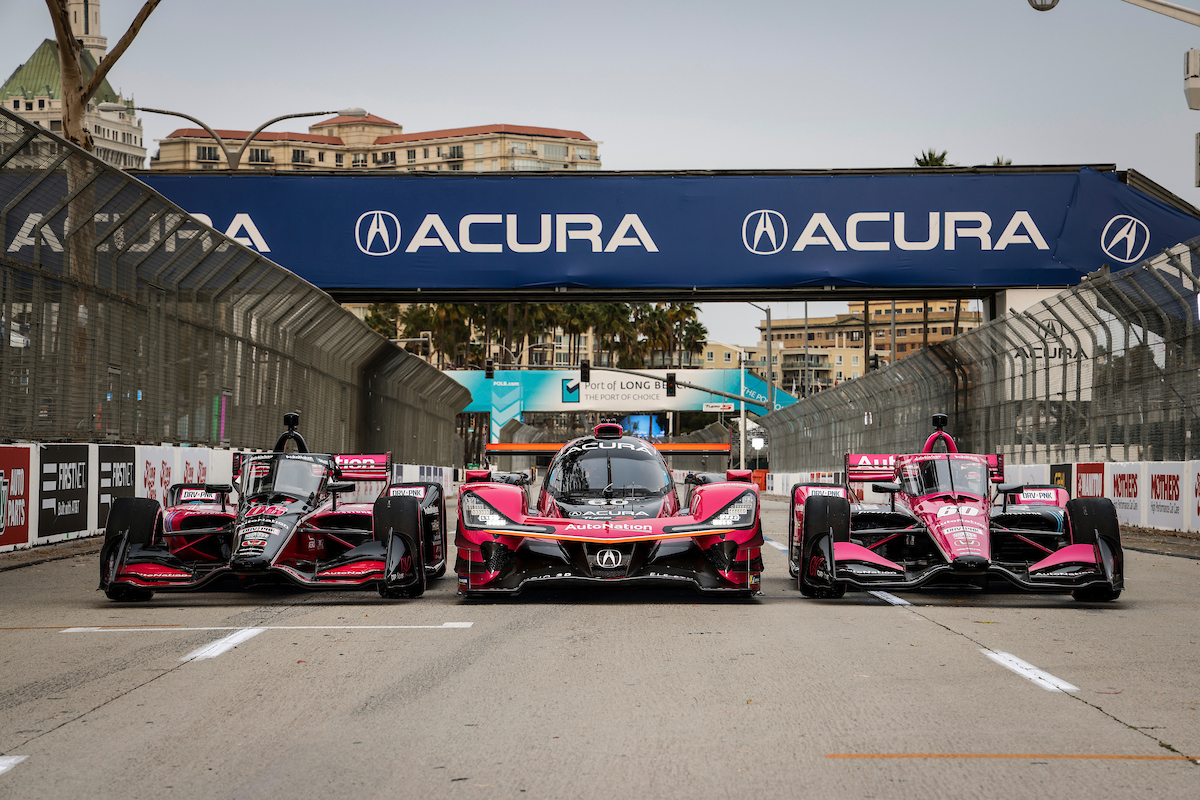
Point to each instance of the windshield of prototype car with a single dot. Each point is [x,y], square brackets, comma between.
[609,472]
[292,474]
[944,475]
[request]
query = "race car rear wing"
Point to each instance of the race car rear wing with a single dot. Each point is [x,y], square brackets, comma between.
[868,467]
[181,493]
[364,467]
[996,467]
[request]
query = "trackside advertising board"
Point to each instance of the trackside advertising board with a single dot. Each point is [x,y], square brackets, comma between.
[596,230]
[15,486]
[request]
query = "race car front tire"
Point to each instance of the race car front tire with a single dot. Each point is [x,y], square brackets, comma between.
[823,516]
[397,521]
[1093,520]
[131,521]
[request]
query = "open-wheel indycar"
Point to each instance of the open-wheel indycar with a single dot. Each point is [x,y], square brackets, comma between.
[942,527]
[608,514]
[287,527]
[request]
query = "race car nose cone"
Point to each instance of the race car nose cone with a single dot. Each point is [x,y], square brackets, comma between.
[971,564]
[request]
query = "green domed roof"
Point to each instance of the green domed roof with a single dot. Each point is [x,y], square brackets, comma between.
[40,76]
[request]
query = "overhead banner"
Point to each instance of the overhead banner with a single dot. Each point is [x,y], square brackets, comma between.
[769,230]
[513,392]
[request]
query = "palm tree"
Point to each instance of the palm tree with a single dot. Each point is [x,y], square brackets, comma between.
[382,318]
[1001,161]
[412,321]
[695,334]
[931,158]
[612,326]
[575,319]
[656,327]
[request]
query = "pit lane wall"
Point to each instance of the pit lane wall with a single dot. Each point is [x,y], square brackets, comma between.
[54,492]
[1164,495]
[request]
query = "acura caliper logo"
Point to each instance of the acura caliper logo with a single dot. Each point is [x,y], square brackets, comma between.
[377,233]
[764,232]
[1125,238]
[608,558]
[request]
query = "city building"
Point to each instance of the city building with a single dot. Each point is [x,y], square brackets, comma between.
[371,143]
[835,344]
[34,91]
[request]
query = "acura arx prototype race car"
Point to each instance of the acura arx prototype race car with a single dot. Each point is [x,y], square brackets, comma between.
[287,526]
[942,527]
[608,514]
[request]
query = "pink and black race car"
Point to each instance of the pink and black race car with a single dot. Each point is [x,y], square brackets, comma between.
[607,515]
[942,527]
[288,527]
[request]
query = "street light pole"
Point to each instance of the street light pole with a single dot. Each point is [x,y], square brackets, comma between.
[232,159]
[770,362]
[742,446]
[1169,9]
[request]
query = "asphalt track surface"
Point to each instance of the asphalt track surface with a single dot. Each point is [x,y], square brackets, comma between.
[567,694]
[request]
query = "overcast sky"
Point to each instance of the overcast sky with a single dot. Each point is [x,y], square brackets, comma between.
[754,84]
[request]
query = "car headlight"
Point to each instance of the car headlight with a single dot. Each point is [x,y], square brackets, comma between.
[742,512]
[478,513]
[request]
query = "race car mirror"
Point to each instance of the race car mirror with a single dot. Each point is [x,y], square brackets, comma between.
[1005,489]
[221,489]
[887,488]
[335,488]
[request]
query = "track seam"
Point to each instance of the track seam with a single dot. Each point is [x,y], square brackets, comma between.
[1193,760]
[132,689]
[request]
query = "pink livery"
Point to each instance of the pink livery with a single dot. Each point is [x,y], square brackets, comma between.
[943,527]
[608,514]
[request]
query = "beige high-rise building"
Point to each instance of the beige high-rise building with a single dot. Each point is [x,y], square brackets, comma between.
[34,91]
[835,344]
[376,144]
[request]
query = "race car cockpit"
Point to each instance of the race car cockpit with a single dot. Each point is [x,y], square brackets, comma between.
[604,472]
[295,475]
[945,474]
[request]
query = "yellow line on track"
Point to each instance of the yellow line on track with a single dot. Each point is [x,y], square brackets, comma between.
[1011,755]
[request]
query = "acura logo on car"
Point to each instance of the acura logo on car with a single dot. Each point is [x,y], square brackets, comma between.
[377,233]
[1125,238]
[608,559]
[764,232]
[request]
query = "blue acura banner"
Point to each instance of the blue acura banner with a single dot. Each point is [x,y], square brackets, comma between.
[768,230]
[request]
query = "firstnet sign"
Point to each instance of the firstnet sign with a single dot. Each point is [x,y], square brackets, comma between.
[409,232]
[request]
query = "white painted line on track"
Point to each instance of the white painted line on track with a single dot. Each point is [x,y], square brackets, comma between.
[221,645]
[443,626]
[889,598]
[1030,672]
[775,544]
[8,762]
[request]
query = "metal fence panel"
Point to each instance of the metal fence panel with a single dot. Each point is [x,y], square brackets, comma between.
[1105,371]
[127,320]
